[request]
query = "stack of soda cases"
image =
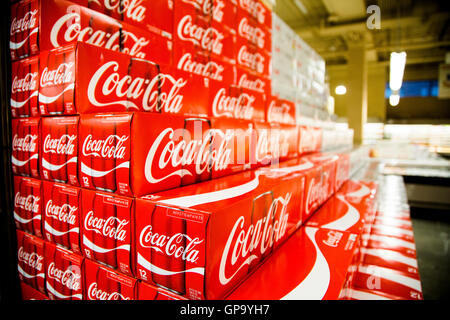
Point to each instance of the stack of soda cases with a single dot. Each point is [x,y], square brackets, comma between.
[113,104]
[387,268]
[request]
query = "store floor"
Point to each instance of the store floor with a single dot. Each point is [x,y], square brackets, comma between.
[432,237]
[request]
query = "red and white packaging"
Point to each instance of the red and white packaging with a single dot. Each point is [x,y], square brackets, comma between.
[249,30]
[105,154]
[202,64]
[30,256]
[194,34]
[387,281]
[173,151]
[252,81]
[394,222]
[106,229]
[391,259]
[54,23]
[391,243]
[342,170]
[156,16]
[280,111]
[249,57]
[28,204]
[311,265]
[202,240]
[63,273]
[25,147]
[29,293]
[234,102]
[400,233]
[146,291]
[257,10]
[103,283]
[24,88]
[24,29]
[313,182]
[339,214]
[62,214]
[328,163]
[310,139]
[274,143]
[72,83]
[218,13]
[59,149]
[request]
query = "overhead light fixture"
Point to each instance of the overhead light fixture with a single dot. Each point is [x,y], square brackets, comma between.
[394,99]
[397,68]
[340,90]
[301,6]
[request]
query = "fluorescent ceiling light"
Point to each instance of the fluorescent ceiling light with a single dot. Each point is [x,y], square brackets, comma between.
[397,68]
[301,6]
[394,99]
[340,90]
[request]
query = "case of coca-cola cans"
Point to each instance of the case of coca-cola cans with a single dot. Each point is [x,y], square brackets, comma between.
[107,222]
[39,25]
[30,256]
[29,293]
[63,273]
[103,283]
[28,205]
[25,147]
[59,149]
[122,153]
[311,265]
[156,16]
[280,111]
[61,217]
[202,240]
[71,82]
[25,87]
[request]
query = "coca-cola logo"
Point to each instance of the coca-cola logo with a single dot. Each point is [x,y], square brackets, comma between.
[31,259]
[70,278]
[131,9]
[314,194]
[268,146]
[62,145]
[251,33]
[25,84]
[133,44]
[68,28]
[28,203]
[63,74]
[250,244]
[188,151]
[257,84]
[209,8]
[107,81]
[211,69]
[279,113]
[25,144]
[240,107]
[254,8]
[27,22]
[64,213]
[179,245]
[254,61]
[112,147]
[94,293]
[112,227]
[208,39]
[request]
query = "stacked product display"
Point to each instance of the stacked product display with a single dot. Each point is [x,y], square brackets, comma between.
[150,159]
[388,268]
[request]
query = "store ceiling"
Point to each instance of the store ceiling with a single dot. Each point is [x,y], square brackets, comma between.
[420,27]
